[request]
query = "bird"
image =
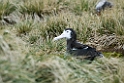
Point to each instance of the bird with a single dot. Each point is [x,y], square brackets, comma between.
[101,5]
[76,48]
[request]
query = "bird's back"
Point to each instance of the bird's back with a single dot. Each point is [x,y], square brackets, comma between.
[79,49]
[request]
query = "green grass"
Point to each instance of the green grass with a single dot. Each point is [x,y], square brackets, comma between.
[24,27]
[53,68]
[40,8]
[6,8]
[28,54]
[53,27]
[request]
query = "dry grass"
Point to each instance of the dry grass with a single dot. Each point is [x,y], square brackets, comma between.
[28,55]
[6,8]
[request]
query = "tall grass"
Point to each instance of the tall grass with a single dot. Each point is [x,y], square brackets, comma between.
[42,7]
[55,69]
[6,8]
[53,27]
[28,54]
[24,27]
[80,6]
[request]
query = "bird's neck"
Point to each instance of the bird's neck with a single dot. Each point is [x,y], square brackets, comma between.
[70,43]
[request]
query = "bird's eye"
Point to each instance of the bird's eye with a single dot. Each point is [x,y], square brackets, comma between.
[67,31]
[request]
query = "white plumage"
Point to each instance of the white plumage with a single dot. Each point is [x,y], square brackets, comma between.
[102,5]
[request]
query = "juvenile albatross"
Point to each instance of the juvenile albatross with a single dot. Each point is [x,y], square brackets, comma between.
[77,49]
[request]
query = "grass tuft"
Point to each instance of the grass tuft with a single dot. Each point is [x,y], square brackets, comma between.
[53,27]
[32,56]
[6,8]
[24,27]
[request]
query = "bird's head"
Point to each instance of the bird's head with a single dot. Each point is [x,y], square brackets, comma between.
[68,33]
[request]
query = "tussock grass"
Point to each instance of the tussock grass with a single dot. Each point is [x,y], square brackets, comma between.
[55,69]
[42,7]
[4,47]
[53,26]
[6,8]
[28,54]
[80,6]
[24,27]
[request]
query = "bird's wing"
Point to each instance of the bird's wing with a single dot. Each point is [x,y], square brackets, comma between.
[78,45]
[100,4]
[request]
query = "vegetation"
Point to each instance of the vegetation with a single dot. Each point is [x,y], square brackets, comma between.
[28,54]
[6,8]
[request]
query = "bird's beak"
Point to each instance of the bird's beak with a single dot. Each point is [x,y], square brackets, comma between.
[59,37]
